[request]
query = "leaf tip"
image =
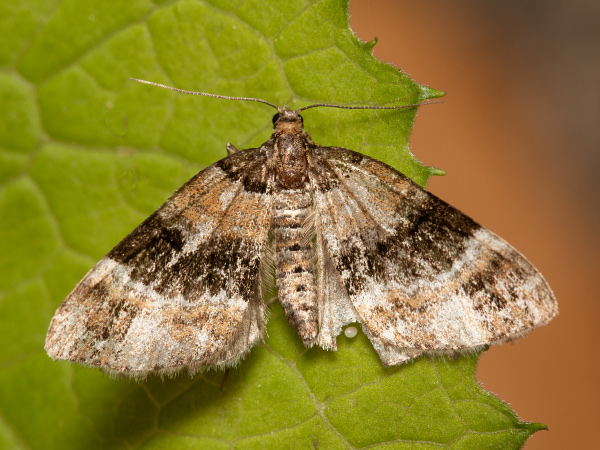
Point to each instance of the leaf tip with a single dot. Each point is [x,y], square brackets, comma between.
[428,93]
[534,427]
[369,45]
[434,171]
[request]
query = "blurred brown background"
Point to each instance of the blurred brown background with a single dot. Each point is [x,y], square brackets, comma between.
[518,134]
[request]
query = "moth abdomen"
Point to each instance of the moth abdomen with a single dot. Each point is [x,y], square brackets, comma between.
[294,262]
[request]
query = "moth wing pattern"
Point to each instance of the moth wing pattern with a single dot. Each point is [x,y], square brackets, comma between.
[421,276]
[183,289]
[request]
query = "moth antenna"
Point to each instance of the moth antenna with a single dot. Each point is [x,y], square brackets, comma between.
[260,100]
[327,105]
[206,94]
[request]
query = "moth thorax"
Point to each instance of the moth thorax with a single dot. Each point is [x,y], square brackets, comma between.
[290,170]
[294,261]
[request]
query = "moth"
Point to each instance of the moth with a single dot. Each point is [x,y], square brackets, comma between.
[345,239]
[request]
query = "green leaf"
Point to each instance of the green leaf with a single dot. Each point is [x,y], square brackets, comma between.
[86,155]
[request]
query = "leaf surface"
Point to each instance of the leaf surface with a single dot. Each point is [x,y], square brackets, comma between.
[86,155]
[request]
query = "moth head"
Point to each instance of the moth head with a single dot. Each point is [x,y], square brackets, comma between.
[287,121]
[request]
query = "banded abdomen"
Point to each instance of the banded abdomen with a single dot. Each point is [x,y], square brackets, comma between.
[294,260]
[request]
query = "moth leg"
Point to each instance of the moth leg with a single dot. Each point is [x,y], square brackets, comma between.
[271,300]
[231,149]
[225,375]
